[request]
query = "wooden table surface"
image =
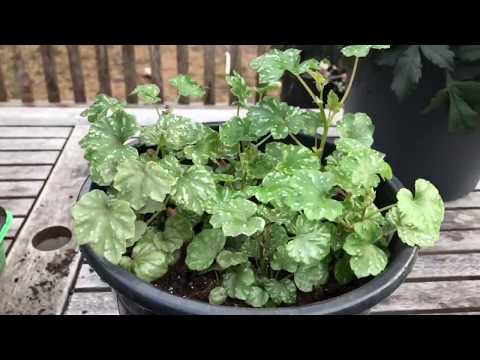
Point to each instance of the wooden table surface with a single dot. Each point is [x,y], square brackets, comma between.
[42,170]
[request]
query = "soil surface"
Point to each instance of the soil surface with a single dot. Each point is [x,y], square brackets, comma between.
[179,281]
[33,63]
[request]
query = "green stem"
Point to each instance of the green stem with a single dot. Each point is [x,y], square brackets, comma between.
[238,109]
[387,208]
[296,140]
[157,152]
[263,141]
[158,112]
[154,216]
[349,87]
[310,92]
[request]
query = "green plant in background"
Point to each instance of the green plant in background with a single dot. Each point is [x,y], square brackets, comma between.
[6,219]
[461,64]
[270,219]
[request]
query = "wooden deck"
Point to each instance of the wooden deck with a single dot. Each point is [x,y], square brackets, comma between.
[42,170]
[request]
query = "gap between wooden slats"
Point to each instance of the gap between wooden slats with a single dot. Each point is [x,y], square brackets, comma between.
[50,73]
[19,173]
[28,157]
[182,68]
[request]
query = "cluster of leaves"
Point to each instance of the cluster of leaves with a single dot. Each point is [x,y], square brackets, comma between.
[270,218]
[462,67]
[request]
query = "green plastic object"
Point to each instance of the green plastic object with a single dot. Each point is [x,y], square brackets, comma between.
[6,219]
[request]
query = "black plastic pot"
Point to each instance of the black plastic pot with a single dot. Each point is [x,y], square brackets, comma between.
[417,145]
[135,296]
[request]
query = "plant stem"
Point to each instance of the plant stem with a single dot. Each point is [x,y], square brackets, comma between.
[386,208]
[154,216]
[310,92]
[350,83]
[158,112]
[296,140]
[157,152]
[238,109]
[263,141]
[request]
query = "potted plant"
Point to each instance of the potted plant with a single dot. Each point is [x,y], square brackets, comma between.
[293,93]
[6,219]
[425,100]
[257,215]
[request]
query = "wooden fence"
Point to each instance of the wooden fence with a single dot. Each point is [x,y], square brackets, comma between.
[24,84]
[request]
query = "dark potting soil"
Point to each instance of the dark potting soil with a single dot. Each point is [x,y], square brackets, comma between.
[181,282]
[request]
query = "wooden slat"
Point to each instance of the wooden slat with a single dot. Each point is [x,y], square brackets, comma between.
[461,219]
[235,65]
[182,67]
[468,201]
[76,72]
[446,266]
[261,49]
[31,144]
[209,74]
[103,70]
[95,303]
[24,172]
[3,88]
[432,296]
[454,241]
[155,52]
[28,157]
[34,132]
[20,188]
[88,279]
[31,282]
[50,73]
[21,75]
[19,207]
[129,72]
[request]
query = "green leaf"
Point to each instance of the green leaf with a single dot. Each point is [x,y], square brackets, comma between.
[237,217]
[440,98]
[207,147]
[204,248]
[148,263]
[343,273]
[308,277]
[272,65]
[105,223]
[289,159]
[186,86]
[281,291]
[312,194]
[173,132]
[274,237]
[194,189]
[151,207]
[250,246]
[462,117]
[281,216]
[217,296]
[126,263]
[408,72]
[281,260]
[104,106]
[139,182]
[310,246]
[419,218]
[333,102]
[140,228]
[236,130]
[238,281]
[370,261]
[469,53]
[227,258]
[239,88]
[312,122]
[357,126]
[361,50]
[256,297]
[255,164]
[275,187]
[440,55]
[148,93]
[104,145]
[275,117]
[178,230]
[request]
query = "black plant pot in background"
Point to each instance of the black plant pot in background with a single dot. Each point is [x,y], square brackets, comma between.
[135,296]
[417,145]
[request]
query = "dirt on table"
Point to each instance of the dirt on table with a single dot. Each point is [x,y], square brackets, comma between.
[33,63]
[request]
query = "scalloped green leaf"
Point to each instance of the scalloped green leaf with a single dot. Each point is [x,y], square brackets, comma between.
[308,277]
[281,260]
[104,106]
[148,262]
[148,93]
[312,194]
[206,148]
[357,126]
[367,259]
[281,291]
[104,222]
[140,229]
[275,187]
[105,147]
[343,273]
[204,248]
[138,182]
[195,189]
[217,296]
[227,258]
[186,86]
[178,230]
[361,50]
[239,88]
[275,117]
[236,130]
[289,159]
[237,217]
